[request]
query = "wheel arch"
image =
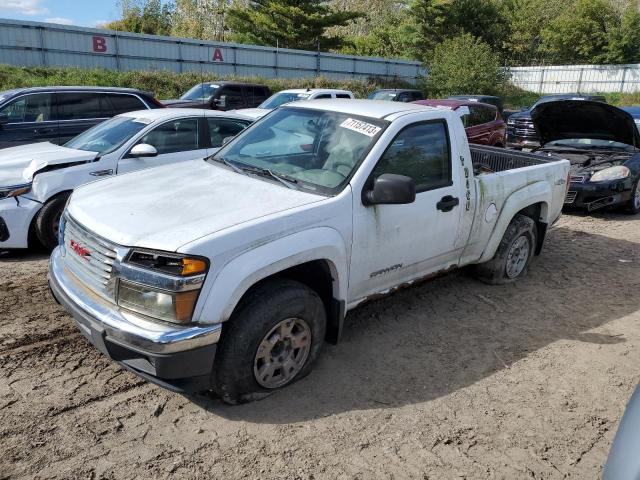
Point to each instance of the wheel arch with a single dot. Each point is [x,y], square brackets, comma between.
[531,201]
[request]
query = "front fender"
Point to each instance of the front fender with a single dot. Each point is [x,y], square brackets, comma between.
[251,266]
[538,192]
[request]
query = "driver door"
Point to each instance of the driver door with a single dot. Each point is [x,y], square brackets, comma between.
[393,244]
[177,140]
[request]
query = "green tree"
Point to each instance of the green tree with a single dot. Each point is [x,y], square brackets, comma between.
[464,64]
[580,34]
[288,23]
[624,41]
[143,16]
[202,19]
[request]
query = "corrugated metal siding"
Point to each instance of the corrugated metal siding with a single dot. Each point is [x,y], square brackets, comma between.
[34,43]
[578,78]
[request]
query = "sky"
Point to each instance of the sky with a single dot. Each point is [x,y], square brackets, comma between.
[86,13]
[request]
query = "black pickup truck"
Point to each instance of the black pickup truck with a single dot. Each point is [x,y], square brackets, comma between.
[521,132]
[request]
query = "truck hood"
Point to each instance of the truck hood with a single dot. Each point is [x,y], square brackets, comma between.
[166,207]
[573,119]
[19,165]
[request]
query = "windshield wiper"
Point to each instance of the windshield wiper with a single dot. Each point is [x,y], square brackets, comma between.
[286,180]
[243,168]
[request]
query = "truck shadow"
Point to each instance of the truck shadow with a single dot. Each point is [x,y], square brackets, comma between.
[433,339]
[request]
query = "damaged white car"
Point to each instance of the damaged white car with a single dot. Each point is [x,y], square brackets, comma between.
[36,180]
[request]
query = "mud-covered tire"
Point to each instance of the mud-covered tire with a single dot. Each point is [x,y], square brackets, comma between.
[633,206]
[509,262]
[263,309]
[48,219]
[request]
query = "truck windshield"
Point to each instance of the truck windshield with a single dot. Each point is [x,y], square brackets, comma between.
[311,149]
[274,101]
[202,92]
[108,135]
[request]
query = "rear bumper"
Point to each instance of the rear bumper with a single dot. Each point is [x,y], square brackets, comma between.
[592,196]
[175,357]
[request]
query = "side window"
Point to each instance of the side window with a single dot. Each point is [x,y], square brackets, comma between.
[480,115]
[77,105]
[29,108]
[176,136]
[403,97]
[416,96]
[421,152]
[322,95]
[234,96]
[221,128]
[342,95]
[123,103]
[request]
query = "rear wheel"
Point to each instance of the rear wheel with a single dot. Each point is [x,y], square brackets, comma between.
[48,221]
[514,254]
[271,341]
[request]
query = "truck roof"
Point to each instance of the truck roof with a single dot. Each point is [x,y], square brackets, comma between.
[314,90]
[365,108]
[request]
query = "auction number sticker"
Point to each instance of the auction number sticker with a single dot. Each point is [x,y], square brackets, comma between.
[359,126]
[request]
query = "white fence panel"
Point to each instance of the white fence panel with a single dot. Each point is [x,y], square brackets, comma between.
[578,78]
[34,43]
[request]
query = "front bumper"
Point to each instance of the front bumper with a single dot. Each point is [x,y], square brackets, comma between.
[515,141]
[596,195]
[15,220]
[179,358]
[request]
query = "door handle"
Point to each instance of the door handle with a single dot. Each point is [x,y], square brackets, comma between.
[43,130]
[101,173]
[447,203]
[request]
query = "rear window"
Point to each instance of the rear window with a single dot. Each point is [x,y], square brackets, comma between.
[480,115]
[123,103]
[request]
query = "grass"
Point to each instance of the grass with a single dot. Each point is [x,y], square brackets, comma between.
[166,84]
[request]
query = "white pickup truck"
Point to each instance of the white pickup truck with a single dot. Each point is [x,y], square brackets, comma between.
[229,273]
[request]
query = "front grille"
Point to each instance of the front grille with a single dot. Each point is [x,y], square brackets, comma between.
[578,178]
[90,258]
[571,197]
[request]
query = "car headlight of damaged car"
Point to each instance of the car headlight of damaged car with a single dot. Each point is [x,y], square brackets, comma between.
[612,173]
[161,285]
[14,190]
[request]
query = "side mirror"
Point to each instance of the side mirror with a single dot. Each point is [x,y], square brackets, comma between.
[143,150]
[391,189]
[221,102]
[4,119]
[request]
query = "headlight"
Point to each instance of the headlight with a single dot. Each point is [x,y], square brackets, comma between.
[14,191]
[612,173]
[176,307]
[161,285]
[511,121]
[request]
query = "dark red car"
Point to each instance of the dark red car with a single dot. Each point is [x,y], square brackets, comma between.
[482,122]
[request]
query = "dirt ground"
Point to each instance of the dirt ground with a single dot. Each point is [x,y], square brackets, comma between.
[449,379]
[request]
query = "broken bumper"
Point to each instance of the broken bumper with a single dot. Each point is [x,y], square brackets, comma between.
[15,220]
[179,358]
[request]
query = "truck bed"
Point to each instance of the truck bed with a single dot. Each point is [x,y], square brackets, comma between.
[491,159]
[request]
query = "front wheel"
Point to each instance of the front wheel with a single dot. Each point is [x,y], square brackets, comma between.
[633,207]
[514,254]
[48,221]
[271,341]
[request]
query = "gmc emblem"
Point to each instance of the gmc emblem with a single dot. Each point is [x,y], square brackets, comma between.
[80,250]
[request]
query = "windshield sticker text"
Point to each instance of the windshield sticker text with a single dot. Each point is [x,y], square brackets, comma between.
[365,128]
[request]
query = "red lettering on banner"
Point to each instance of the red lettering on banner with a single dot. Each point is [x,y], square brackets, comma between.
[99,44]
[217,55]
